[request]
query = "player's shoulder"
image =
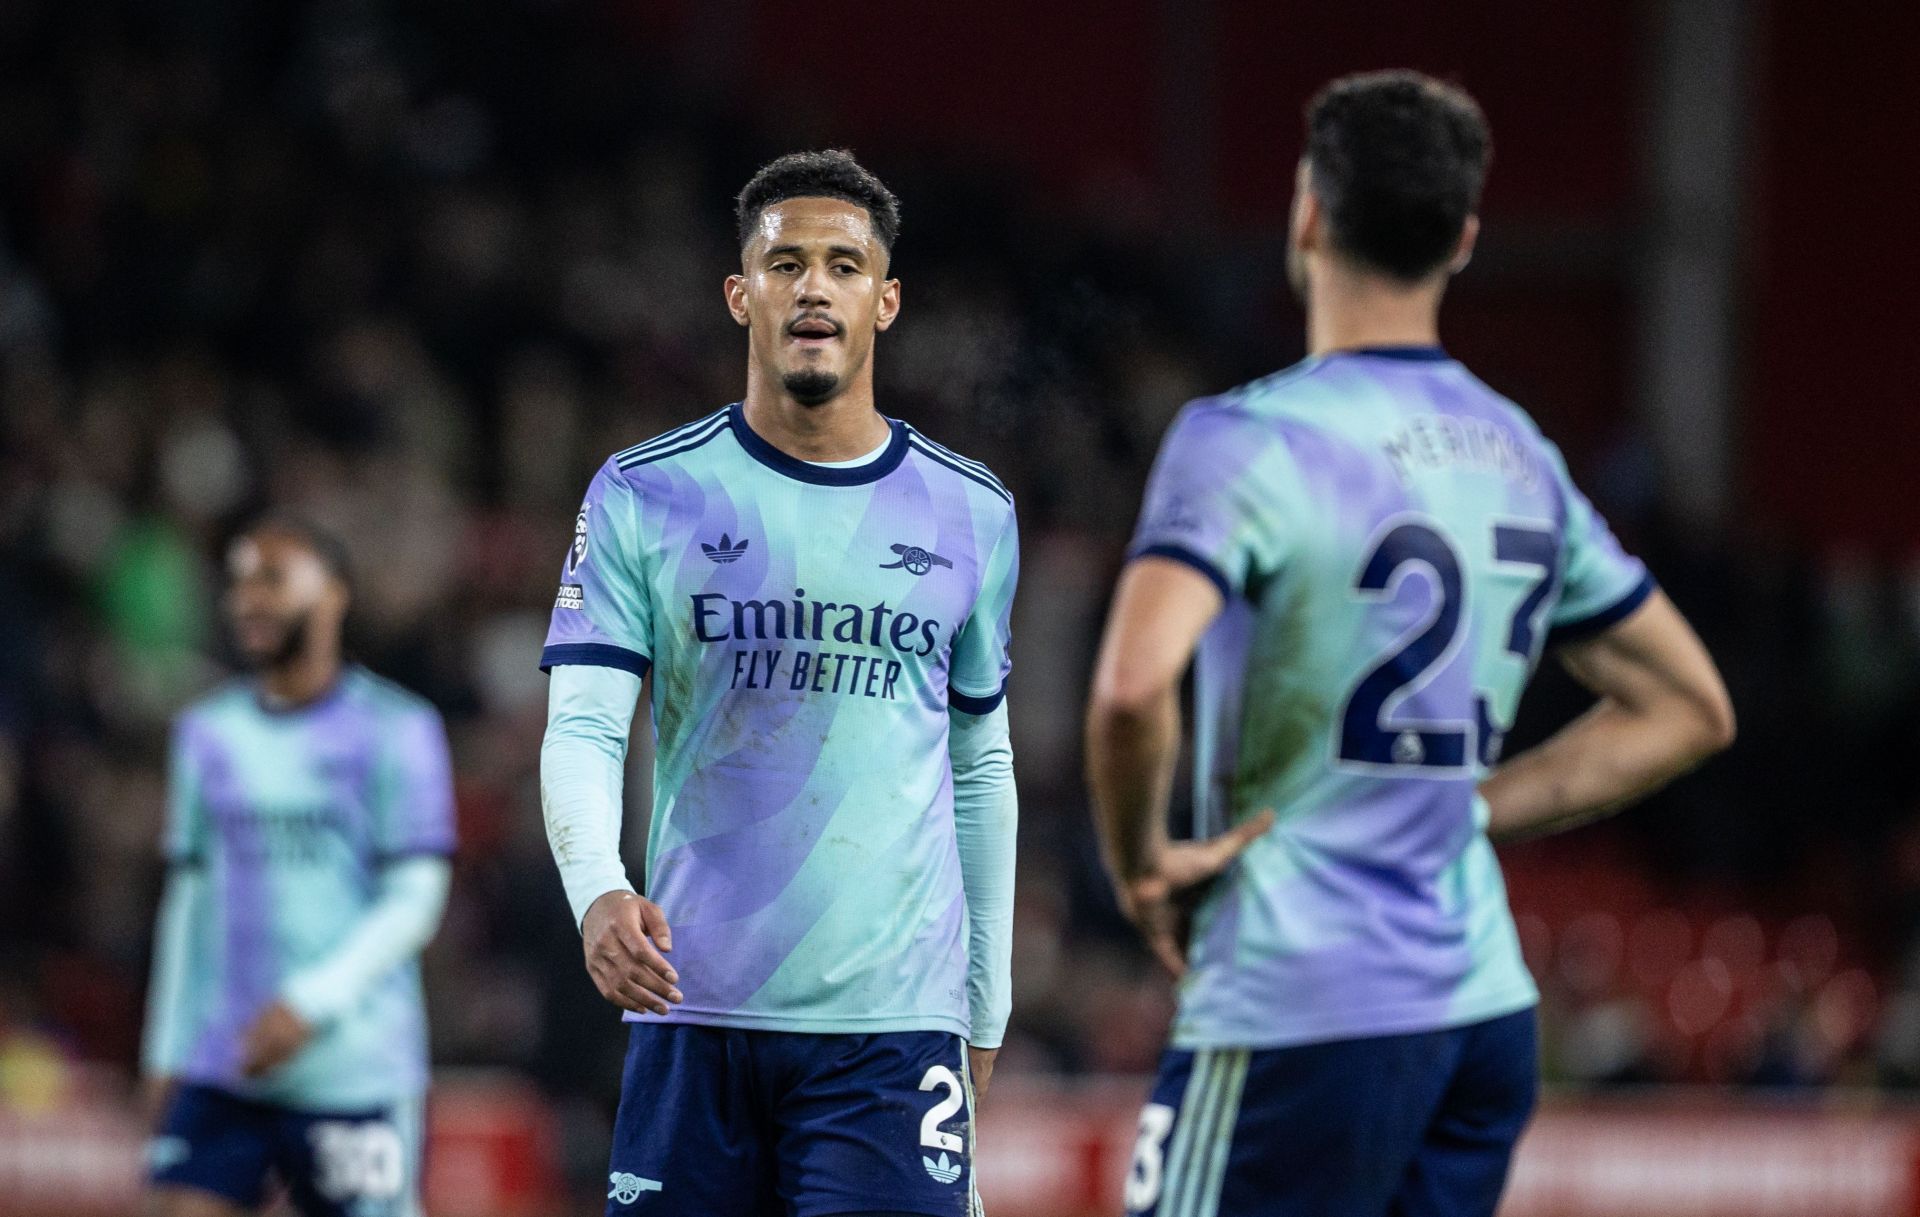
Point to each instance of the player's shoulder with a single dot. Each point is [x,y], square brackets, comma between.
[944,463]
[1246,413]
[386,698]
[219,704]
[633,466]
[1490,405]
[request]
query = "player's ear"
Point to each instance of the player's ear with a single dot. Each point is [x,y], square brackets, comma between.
[736,289]
[1306,220]
[1463,252]
[889,304]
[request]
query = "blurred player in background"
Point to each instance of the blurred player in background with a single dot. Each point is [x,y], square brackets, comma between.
[1369,551]
[817,975]
[310,816]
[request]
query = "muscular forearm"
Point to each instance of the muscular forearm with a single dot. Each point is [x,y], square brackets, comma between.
[986,817]
[1604,760]
[582,770]
[1132,749]
[398,924]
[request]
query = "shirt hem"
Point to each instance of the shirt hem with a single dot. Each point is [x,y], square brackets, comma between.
[978,706]
[342,1102]
[1605,618]
[1403,1020]
[803,1025]
[594,654]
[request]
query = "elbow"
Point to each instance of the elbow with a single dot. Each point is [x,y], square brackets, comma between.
[1128,697]
[1122,702]
[1709,723]
[1718,722]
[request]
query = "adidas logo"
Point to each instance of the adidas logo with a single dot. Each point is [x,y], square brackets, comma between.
[726,551]
[946,1170]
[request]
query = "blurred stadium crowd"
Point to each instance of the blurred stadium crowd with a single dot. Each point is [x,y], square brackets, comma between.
[395,301]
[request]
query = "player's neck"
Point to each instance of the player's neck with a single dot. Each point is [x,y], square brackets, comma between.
[302,680]
[1351,311]
[842,429]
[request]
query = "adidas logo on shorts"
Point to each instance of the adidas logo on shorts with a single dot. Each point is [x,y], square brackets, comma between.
[946,1170]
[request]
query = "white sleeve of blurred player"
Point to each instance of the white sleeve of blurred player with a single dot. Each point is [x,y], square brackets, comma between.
[408,901]
[163,1047]
[582,765]
[986,817]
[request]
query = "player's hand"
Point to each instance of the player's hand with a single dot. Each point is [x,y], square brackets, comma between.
[156,1095]
[1160,903]
[980,1069]
[623,936]
[274,1037]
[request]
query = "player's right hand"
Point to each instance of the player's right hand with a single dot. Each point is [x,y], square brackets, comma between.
[1160,904]
[156,1095]
[624,935]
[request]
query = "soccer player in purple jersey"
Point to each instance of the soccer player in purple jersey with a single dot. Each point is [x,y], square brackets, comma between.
[1364,557]
[815,958]
[309,819]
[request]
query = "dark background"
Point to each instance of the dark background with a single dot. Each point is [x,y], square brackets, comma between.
[415,269]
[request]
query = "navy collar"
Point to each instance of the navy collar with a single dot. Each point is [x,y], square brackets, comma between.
[1418,353]
[802,471]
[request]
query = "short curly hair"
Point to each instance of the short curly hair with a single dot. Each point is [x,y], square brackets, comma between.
[828,174]
[1397,160]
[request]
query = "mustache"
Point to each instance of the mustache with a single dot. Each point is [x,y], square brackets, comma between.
[839,330]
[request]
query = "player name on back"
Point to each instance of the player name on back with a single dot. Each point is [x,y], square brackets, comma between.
[1434,441]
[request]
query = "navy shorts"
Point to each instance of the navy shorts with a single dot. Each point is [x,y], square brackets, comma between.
[332,1164]
[724,1122]
[1393,1126]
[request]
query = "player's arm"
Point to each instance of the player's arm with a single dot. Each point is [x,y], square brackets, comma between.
[1662,710]
[410,895]
[183,903]
[986,820]
[986,807]
[582,762]
[599,650]
[1159,612]
[163,1046]
[412,808]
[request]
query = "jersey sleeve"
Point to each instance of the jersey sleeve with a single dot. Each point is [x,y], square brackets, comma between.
[414,806]
[603,614]
[982,654]
[183,836]
[1600,583]
[1198,508]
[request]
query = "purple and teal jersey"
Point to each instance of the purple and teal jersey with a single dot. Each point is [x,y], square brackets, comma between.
[291,814]
[1396,544]
[807,628]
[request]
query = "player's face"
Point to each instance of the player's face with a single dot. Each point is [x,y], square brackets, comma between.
[280,596]
[812,292]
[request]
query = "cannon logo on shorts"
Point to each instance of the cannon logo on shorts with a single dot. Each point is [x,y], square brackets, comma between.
[625,1189]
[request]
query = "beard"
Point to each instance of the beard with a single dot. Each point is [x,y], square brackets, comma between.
[293,641]
[811,388]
